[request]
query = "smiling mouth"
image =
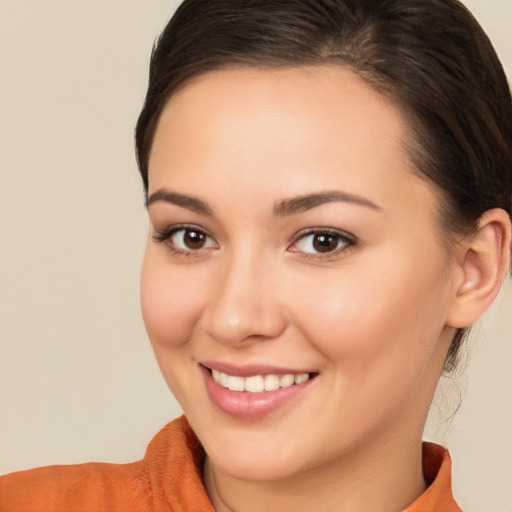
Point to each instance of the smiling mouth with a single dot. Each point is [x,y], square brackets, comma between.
[259,383]
[257,392]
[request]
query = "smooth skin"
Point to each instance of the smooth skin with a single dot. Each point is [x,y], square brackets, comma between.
[361,288]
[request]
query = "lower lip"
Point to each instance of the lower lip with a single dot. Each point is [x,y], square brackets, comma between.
[247,405]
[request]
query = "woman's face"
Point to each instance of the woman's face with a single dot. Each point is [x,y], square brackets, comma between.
[289,236]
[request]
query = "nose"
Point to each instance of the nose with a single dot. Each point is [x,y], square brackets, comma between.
[244,304]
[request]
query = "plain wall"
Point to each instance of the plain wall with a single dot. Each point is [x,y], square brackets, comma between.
[78,378]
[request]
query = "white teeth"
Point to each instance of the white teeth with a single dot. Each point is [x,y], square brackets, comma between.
[236,383]
[287,380]
[223,380]
[271,382]
[258,383]
[302,377]
[255,384]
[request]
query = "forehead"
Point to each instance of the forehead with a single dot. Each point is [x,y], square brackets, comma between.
[284,132]
[325,92]
[292,103]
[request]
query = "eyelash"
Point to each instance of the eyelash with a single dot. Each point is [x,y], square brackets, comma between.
[169,232]
[349,241]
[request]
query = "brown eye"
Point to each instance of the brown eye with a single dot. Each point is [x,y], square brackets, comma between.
[187,239]
[194,239]
[325,242]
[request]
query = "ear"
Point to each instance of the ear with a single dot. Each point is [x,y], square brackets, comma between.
[481,265]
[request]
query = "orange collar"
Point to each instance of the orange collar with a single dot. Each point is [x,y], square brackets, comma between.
[437,468]
[174,460]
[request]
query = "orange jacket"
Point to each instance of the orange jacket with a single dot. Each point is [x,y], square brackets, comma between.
[167,479]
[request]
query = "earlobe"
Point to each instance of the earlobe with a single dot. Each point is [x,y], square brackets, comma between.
[483,265]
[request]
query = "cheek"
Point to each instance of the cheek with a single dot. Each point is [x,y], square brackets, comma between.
[171,303]
[377,334]
[393,312]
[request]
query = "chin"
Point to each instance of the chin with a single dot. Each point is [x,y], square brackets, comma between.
[261,469]
[251,454]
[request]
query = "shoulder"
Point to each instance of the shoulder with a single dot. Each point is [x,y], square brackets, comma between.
[83,487]
[169,477]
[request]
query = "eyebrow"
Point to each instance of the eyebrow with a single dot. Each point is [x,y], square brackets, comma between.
[300,204]
[189,202]
[283,208]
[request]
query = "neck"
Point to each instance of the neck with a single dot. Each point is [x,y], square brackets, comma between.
[389,480]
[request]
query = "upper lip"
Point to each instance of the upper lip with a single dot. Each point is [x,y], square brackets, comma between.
[247,370]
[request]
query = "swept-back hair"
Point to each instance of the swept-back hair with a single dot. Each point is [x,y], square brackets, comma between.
[430,57]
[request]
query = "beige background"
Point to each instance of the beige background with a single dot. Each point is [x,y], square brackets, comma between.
[77,374]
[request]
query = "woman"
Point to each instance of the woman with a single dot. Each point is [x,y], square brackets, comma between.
[329,190]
